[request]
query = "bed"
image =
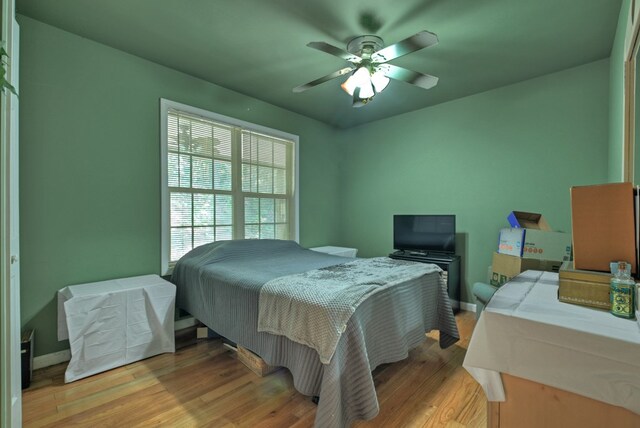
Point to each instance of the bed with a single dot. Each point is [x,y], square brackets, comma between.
[220,284]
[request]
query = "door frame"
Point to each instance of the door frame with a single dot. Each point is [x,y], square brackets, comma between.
[10,362]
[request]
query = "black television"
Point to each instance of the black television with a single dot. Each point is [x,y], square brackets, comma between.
[425,233]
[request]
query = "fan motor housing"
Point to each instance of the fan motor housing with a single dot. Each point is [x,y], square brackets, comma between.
[364,46]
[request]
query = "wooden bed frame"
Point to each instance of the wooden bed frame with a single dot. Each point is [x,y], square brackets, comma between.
[531,405]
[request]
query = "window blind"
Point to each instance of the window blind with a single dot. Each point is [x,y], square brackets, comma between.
[265,186]
[225,182]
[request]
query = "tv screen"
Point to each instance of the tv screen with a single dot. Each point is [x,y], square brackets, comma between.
[425,233]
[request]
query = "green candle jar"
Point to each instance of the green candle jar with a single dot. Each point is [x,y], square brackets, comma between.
[622,291]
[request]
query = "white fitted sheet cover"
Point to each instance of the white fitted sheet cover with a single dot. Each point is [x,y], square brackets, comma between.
[526,332]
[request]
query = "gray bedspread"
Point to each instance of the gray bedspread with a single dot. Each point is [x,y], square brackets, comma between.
[313,307]
[220,283]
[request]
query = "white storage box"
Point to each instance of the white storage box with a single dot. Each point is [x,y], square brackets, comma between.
[337,251]
[116,322]
[535,244]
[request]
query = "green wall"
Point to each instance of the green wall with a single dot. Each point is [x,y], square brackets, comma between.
[90,165]
[616,96]
[519,147]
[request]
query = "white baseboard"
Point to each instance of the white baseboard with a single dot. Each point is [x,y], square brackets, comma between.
[455,305]
[54,358]
[185,323]
[471,307]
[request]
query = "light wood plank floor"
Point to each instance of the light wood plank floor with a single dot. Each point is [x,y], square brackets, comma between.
[204,385]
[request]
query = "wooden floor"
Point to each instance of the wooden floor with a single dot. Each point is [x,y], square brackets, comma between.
[204,385]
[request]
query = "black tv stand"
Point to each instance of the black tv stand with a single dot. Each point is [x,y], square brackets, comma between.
[422,254]
[414,253]
[449,263]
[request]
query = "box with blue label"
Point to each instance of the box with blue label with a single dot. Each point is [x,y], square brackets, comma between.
[535,244]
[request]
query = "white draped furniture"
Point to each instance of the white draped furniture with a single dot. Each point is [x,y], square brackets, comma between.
[116,322]
[544,363]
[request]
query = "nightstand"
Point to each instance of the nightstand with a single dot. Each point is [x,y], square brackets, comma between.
[337,251]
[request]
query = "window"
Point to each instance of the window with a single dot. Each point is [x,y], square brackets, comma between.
[223,179]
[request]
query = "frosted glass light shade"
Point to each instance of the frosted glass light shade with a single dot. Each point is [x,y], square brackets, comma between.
[366,90]
[379,80]
[369,84]
[360,78]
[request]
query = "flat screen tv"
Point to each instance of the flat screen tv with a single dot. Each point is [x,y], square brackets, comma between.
[425,233]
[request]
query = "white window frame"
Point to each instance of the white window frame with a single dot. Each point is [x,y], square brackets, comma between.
[165,106]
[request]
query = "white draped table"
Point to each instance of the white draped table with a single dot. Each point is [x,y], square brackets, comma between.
[527,333]
[116,322]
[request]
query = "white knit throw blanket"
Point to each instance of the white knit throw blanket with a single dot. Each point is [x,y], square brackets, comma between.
[313,307]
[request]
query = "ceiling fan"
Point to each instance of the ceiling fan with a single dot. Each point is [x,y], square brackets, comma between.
[370,71]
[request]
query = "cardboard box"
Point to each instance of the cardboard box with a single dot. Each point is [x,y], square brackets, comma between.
[636,218]
[584,287]
[638,303]
[602,222]
[535,244]
[505,267]
[525,220]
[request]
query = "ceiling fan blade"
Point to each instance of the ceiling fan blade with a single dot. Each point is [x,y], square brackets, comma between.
[416,42]
[323,79]
[419,79]
[335,51]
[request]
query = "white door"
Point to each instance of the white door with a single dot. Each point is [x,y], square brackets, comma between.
[10,367]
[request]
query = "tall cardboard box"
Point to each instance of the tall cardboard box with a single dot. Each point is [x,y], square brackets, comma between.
[602,222]
[504,267]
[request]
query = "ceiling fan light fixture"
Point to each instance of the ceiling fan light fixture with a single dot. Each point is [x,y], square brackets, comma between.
[358,79]
[369,58]
[379,80]
[358,101]
[367,90]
